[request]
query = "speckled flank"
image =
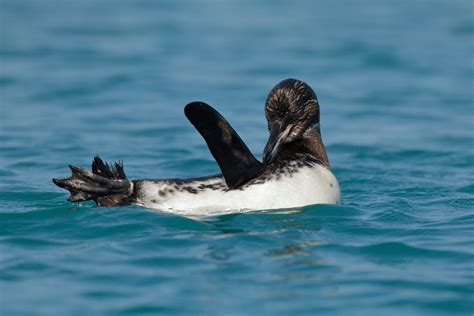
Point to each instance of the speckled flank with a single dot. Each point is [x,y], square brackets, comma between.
[169,187]
[291,184]
[282,169]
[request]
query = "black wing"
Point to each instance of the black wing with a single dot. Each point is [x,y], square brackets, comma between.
[235,160]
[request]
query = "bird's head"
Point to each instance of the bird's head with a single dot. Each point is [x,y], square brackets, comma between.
[292,112]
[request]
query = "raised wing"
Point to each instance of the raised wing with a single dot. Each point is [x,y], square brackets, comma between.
[235,160]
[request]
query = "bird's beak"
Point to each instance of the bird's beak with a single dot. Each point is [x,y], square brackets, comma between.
[275,141]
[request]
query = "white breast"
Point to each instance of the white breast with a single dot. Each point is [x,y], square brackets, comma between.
[308,185]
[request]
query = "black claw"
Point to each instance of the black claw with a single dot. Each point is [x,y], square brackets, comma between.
[106,183]
[59,182]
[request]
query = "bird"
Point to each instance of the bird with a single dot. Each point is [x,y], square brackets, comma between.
[294,171]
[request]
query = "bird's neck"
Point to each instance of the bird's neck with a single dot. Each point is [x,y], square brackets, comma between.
[314,143]
[311,145]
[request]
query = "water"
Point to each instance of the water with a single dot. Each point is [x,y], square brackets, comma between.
[394,81]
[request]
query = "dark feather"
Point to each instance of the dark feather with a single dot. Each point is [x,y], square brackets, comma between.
[106,185]
[235,160]
[114,171]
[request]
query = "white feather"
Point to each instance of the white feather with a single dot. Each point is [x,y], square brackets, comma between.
[308,185]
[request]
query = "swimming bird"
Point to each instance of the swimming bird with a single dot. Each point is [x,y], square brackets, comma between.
[295,170]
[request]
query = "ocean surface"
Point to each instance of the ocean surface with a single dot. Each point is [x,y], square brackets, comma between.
[395,84]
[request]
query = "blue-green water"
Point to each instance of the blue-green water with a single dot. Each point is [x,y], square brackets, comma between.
[394,82]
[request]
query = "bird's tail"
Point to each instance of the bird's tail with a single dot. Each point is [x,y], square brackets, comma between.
[107,184]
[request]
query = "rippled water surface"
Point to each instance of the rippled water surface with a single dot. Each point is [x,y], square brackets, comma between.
[394,80]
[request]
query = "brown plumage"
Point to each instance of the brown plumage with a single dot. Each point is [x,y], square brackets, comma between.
[292,112]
